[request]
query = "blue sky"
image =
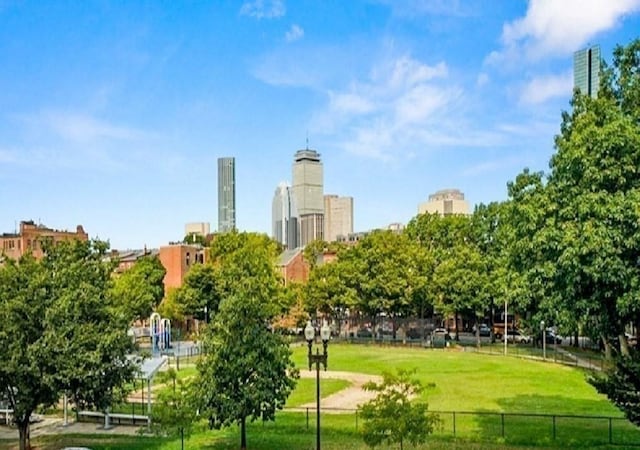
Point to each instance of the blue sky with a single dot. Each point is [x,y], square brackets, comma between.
[113,113]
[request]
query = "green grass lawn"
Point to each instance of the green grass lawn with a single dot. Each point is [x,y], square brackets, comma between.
[484,385]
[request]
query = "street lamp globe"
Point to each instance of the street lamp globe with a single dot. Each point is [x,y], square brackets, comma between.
[325,332]
[309,332]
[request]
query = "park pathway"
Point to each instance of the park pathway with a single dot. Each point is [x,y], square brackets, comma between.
[345,400]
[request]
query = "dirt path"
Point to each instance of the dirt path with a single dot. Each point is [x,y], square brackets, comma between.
[345,400]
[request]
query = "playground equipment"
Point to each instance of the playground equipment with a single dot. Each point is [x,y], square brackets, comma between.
[160,332]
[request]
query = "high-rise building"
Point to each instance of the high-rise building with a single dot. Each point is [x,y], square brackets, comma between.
[338,217]
[226,194]
[285,217]
[445,202]
[586,70]
[307,188]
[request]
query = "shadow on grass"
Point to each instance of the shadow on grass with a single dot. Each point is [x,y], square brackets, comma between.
[587,428]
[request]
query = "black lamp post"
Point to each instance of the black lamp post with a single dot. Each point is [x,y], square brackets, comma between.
[310,334]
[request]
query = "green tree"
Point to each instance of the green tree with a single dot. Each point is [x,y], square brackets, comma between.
[141,288]
[61,332]
[199,294]
[391,416]
[174,409]
[460,283]
[247,373]
[385,272]
[622,384]
[583,236]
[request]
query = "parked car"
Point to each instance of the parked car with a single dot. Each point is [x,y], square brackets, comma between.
[442,332]
[414,333]
[551,338]
[518,337]
[484,329]
[364,333]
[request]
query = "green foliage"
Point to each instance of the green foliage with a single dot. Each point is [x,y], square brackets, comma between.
[576,238]
[140,289]
[61,331]
[247,373]
[175,408]
[245,266]
[622,385]
[199,289]
[391,416]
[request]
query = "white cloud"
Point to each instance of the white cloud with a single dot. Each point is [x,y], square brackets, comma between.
[540,89]
[295,33]
[404,107]
[482,79]
[559,27]
[350,103]
[83,128]
[263,9]
[7,156]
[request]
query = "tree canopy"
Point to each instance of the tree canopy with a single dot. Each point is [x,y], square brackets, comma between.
[61,331]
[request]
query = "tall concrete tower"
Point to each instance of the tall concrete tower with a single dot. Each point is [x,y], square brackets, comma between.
[226,194]
[307,188]
[586,70]
[285,217]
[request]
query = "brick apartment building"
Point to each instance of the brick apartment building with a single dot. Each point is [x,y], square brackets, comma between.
[177,259]
[31,236]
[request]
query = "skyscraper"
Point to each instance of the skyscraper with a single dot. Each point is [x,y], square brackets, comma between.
[226,194]
[285,217]
[307,191]
[586,70]
[338,217]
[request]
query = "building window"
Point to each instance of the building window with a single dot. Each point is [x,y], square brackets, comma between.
[188,257]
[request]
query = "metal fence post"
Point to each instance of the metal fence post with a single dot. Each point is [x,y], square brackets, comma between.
[356,420]
[502,420]
[554,427]
[610,431]
[307,418]
[454,424]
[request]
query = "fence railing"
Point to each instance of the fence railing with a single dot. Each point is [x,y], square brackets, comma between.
[517,428]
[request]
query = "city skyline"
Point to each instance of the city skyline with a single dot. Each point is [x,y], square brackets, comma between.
[113,115]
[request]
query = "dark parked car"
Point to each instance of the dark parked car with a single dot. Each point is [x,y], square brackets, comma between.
[364,333]
[414,333]
[551,338]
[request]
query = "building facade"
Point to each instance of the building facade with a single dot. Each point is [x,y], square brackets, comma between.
[226,194]
[199,228]
[445,202]
[307,188]
[285,226]
[586,70]
[338,217]
[177,259]
[31,236]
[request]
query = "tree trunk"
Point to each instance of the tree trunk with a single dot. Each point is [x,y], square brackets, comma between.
[182,437]
[576,338]
[624,345]
[607,348]
[455,319]
[243,434]
[23,431]
[477,332]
